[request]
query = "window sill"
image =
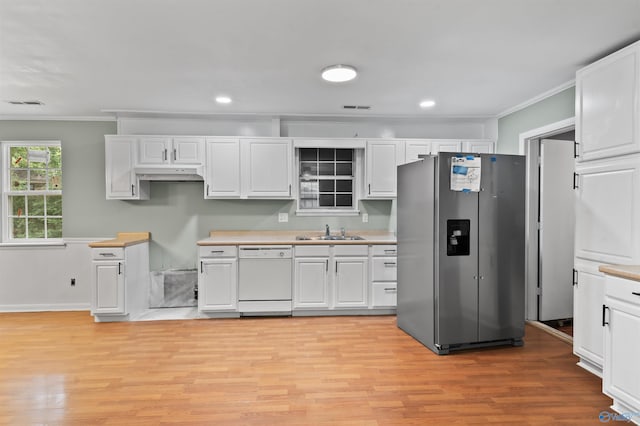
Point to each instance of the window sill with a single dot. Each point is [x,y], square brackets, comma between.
[33,244]
[327,212]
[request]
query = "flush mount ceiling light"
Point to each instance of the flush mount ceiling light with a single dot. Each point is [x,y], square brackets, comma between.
[223,99]
[339,73]
[428,103]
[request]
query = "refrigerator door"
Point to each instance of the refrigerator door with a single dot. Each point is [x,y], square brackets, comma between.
[457,265]
[501,252]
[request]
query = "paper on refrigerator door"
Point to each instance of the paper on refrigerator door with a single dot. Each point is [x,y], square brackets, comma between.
[465,173]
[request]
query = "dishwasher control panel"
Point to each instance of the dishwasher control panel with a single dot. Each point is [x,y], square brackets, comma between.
[266,252]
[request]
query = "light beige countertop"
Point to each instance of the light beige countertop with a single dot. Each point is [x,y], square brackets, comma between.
[123,239]
[222,238]
[631,272]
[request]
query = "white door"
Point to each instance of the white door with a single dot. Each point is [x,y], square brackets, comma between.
[119,161]
[383,158]
[217,285]
[222,168]
[588,333]
[556,230]
[311,288]
[109,297]
[153,150]
[266,168]
[188,150]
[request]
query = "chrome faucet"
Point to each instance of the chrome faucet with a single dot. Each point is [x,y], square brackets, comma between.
[343,232]
[327,231]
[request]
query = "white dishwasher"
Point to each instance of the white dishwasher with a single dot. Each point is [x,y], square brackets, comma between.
[264,280]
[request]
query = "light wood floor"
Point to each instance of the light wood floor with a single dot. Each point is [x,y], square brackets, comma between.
[62,368]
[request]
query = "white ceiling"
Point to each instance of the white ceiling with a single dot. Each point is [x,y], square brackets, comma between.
[473,57]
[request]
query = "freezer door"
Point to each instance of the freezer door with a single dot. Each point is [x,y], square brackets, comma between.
[457,289]
[501,252]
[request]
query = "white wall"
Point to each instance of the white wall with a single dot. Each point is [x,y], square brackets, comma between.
[38,278]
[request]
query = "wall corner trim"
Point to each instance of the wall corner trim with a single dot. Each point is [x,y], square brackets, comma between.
[538,98]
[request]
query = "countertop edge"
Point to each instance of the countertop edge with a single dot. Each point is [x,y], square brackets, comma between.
[631,272]
[123,239]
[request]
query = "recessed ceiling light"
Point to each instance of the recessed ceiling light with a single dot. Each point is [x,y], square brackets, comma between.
[223,99]
[427,103]
[339,73]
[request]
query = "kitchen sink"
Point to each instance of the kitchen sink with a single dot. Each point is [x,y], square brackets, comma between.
[329,238]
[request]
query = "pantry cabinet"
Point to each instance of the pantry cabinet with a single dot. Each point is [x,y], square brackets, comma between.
[608,106]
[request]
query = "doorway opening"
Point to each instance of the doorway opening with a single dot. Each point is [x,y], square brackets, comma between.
[549,224]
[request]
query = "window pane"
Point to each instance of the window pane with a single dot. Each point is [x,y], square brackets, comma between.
[55,180]
[327,169]
[38,179]
[18,227]
[344,169]
[16,205]
[311,203]
[36,227]
[327,185]
[344,186]
[308,154]
[18,180]
[38,156]
[54,228]
[18,156]
[344,200]
[344,155]
[308,188]
[54,205]
[55,157]
[326,200]
[308,169]
[327,154]
[35,205]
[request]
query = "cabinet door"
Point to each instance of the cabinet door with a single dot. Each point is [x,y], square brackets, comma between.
[187,150]
[588,297]
[121,182]
[311,285]
[383,158]
[479,146]
[266,167]
[108,288]
[154,150]
[222,168]
[218,284]
[607,105]
[621,376]
[350,282]
[607,210]
[445,145]
[415,148]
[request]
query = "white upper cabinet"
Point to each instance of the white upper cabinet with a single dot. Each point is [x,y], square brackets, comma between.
[121,181]
[445,145]
[479,146]
[607,210]
[222,170]
[608,106]
[414,148]
[167,150]
[383,158]
[267,166]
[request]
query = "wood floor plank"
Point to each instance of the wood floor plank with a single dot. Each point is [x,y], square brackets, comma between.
[62,368]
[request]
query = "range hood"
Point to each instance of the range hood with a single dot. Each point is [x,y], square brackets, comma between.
[170,173]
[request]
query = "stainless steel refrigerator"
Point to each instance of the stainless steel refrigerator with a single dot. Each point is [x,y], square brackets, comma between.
[461,250]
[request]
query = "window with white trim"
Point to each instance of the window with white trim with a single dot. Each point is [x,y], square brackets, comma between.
[326,179]
[31,191]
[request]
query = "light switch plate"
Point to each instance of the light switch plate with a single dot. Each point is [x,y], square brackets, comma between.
[283,217]
[365,217]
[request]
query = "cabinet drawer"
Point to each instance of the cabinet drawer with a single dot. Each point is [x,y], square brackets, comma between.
[384,250]
[623,289]
[107,253]
[384,294]
[385,269]
[218,251]
[311,250]
[351,250]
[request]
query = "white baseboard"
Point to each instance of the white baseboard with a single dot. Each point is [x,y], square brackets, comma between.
[44,308]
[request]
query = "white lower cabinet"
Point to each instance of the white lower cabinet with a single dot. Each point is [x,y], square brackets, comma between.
[218,279]
[311,277]
[351,278]
[588,297]
[120,282]
[621,320]
[384,276]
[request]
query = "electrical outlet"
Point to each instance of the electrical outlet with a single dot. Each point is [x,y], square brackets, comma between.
[73,282]
[283,217]
[365,217]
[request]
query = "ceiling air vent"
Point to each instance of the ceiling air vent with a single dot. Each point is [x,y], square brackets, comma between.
[356,107]
[26,102]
